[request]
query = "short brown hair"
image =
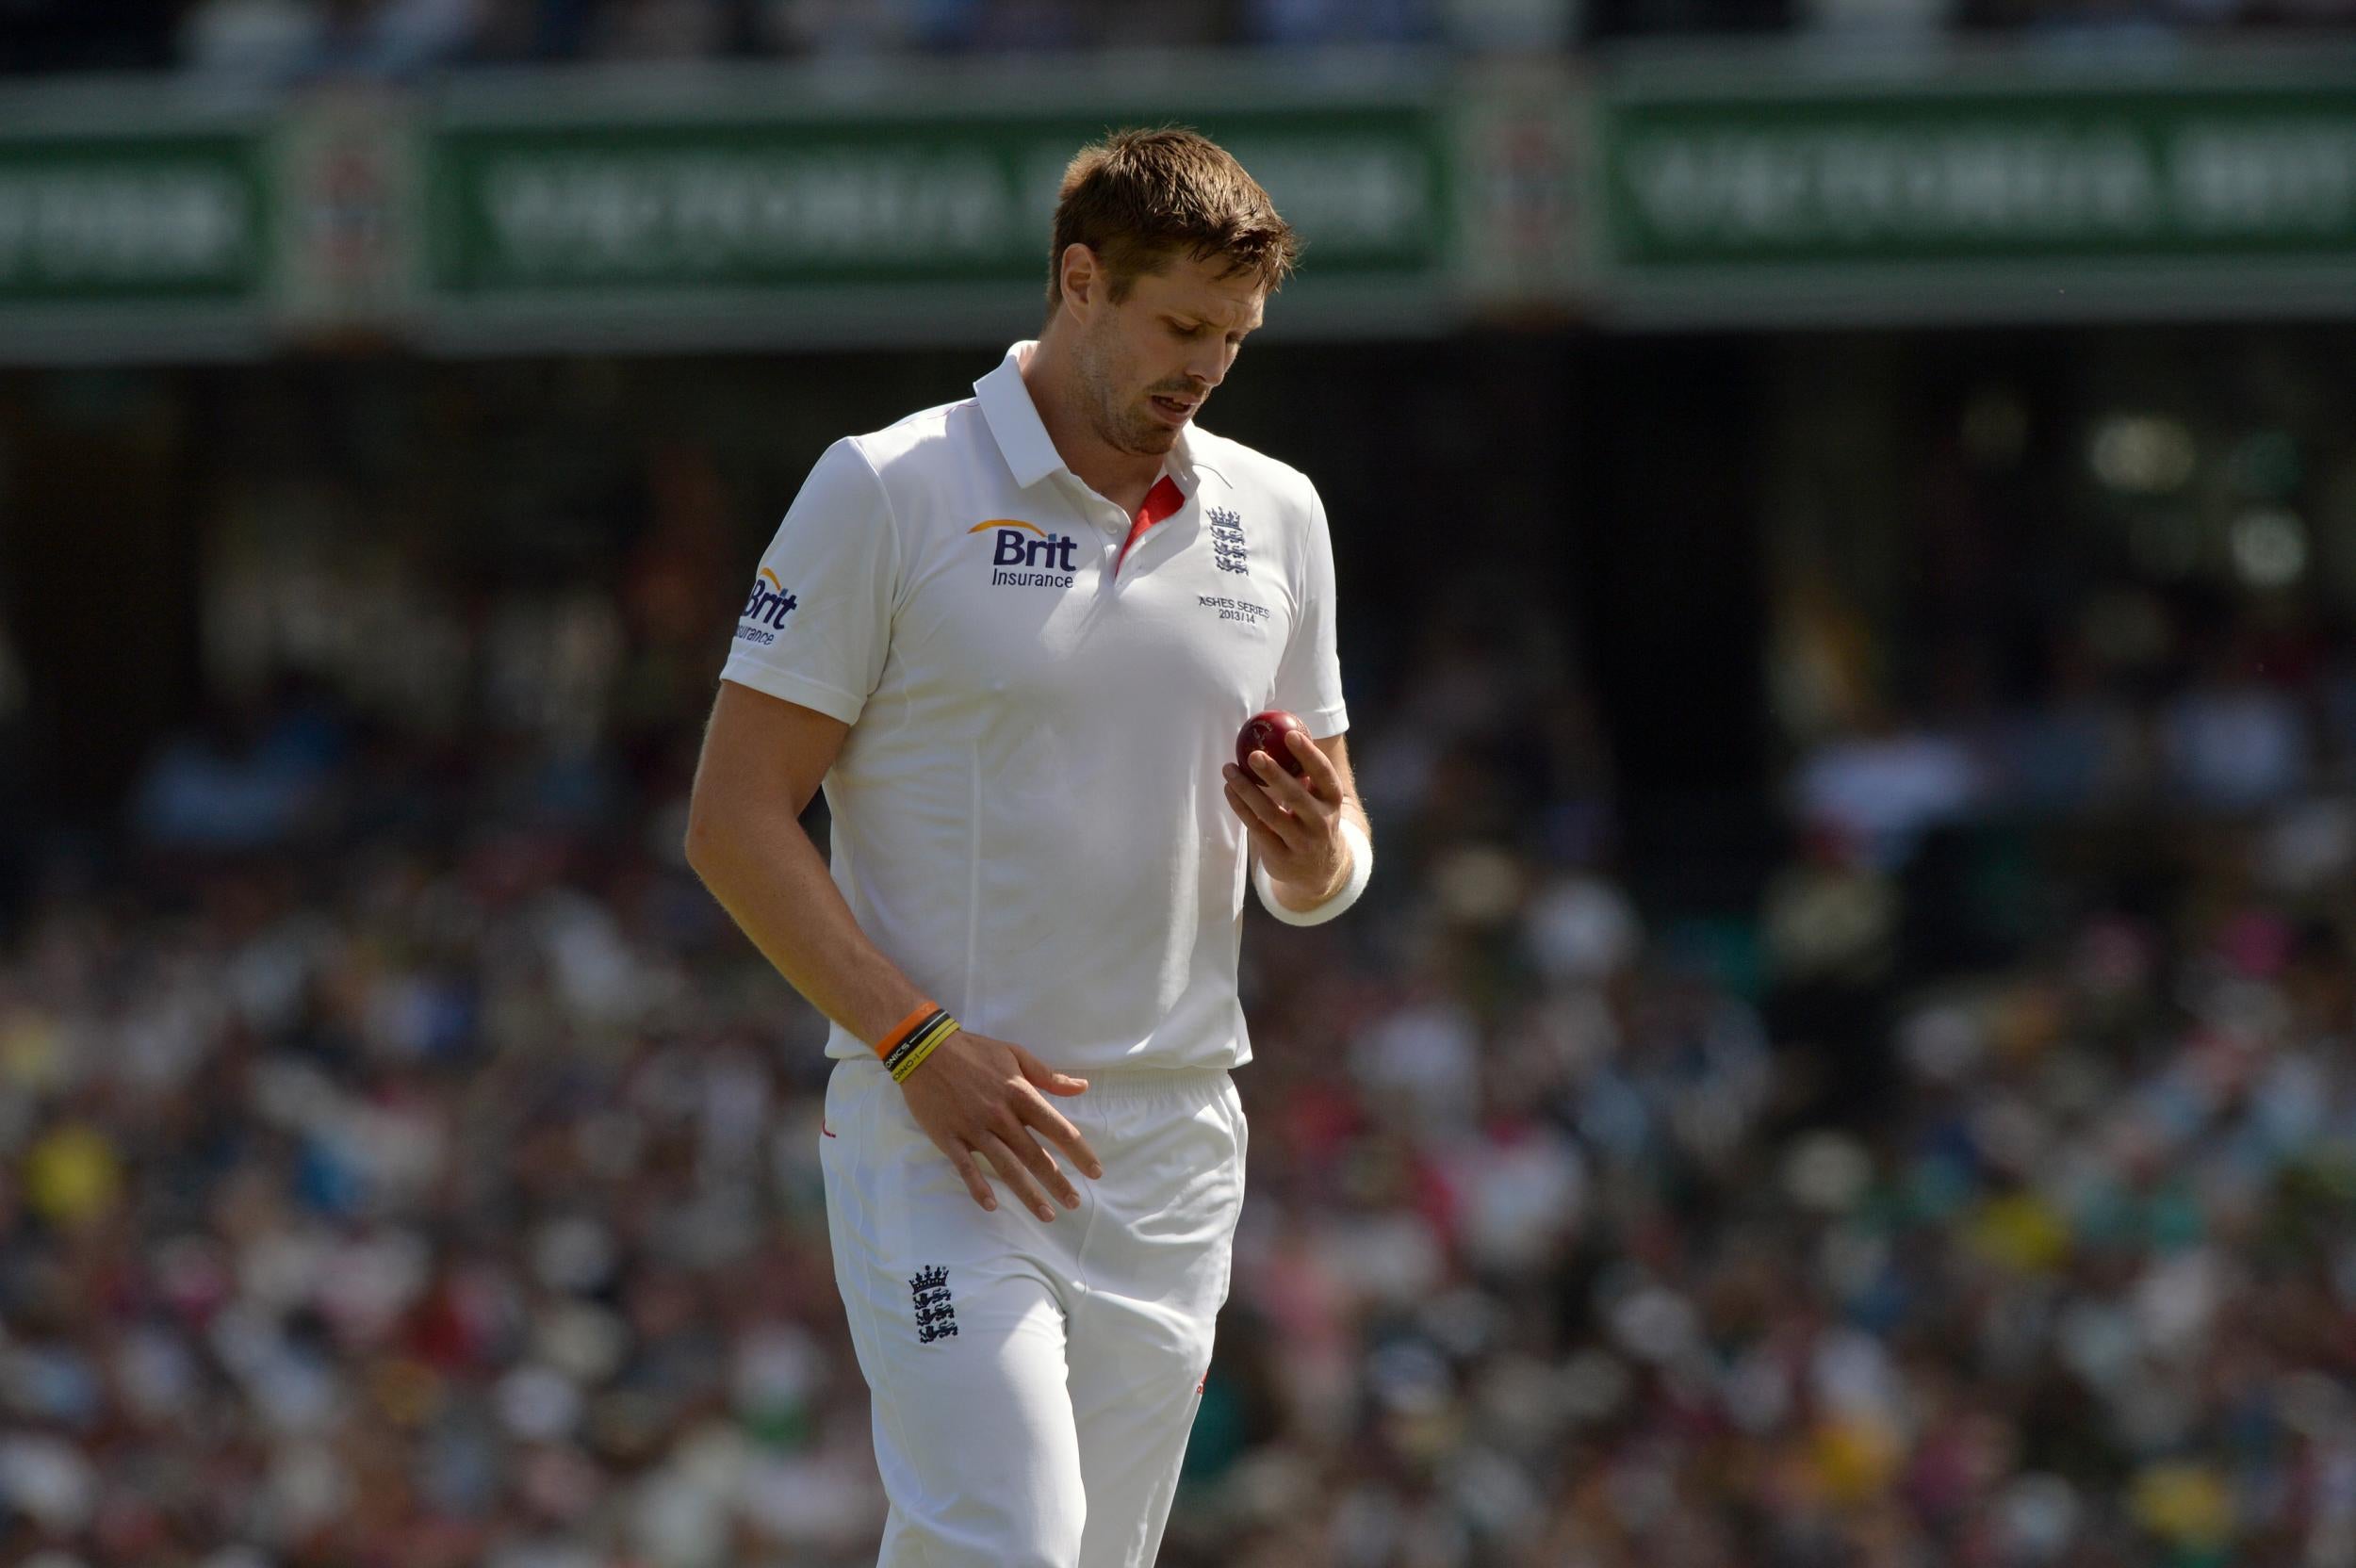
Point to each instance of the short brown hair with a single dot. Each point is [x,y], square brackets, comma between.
[1139,197]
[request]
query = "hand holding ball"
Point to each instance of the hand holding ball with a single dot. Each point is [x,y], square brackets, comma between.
[1295,820]
[1266,732]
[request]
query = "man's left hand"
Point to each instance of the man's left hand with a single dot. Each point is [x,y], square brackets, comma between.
[1295,824]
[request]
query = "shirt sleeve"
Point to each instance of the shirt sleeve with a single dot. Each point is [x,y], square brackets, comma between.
[1309,681]
[816,623]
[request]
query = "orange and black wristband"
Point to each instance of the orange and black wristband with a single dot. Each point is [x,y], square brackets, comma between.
[917,1037]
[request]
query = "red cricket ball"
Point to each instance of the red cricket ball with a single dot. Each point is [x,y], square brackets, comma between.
[1266,732]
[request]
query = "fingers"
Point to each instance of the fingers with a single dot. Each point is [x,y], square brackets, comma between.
[980,1108]
[1010,1168]
[1063,1136]
[1278,804]
[1257,810]
[1042,1165]
[1297,796]
[1270,845]
[970,1172]
[1268,841]
[1325,779]
[1042,1076]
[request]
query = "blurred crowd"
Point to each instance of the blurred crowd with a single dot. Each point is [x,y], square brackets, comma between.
[405,1164]
[298,40]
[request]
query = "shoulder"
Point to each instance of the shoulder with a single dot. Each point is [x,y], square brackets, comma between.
[1255,481]
[918,446]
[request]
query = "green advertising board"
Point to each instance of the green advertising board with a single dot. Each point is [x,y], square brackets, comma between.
[108,240]
[1985,194]
[874,221]
[153,218]
[908,201]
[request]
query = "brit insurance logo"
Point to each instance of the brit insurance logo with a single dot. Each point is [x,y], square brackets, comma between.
[1023,555]
[764,613]
[1227,545]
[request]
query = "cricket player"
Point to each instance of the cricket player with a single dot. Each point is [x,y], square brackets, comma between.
[1014,636]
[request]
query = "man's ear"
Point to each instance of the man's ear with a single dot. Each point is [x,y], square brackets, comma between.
[1082,277]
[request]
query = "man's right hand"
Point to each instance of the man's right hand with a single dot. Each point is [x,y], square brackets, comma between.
[976,1096]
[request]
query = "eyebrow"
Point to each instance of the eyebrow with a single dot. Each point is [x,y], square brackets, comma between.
[1186,319]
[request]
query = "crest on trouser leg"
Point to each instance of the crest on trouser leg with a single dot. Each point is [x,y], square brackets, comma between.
[928,1289]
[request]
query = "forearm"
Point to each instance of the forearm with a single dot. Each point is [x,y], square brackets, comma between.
[765,871]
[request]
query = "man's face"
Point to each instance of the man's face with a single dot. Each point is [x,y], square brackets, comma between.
[1151,360]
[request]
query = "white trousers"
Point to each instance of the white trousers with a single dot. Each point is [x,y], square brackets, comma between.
[1033,1383]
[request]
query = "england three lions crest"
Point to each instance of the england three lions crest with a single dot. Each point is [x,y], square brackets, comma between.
[1227,542]
[936,1318]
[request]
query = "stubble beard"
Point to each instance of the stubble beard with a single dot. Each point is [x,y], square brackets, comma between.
[1123,426]
[1151,436]
[1133,430]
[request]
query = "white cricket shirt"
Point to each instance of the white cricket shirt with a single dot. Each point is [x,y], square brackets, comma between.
[1029,812]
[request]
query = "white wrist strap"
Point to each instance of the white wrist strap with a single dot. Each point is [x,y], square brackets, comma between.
[1361,868]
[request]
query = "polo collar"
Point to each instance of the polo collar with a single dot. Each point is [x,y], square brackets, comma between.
[1022,435]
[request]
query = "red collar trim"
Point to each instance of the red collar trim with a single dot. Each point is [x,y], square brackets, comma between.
[1160,502]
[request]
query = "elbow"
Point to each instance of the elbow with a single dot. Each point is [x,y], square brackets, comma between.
[701,844]
[734,827]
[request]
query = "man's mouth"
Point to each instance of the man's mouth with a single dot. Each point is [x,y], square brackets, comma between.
[1177,410]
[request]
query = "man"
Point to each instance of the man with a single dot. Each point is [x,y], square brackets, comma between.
[1015,635]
